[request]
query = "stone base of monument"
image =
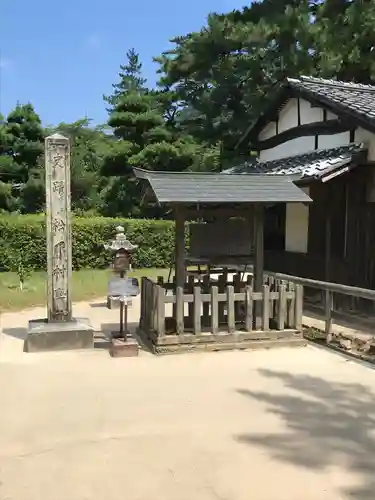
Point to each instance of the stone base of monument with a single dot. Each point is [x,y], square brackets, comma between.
[59,336]
[123,347]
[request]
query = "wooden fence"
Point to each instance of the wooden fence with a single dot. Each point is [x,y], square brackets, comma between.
[329,291]
[200,311]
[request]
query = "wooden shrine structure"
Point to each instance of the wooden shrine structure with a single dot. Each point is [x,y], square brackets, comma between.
[215,313]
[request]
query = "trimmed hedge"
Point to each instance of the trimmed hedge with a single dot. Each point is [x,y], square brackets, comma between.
[24,236]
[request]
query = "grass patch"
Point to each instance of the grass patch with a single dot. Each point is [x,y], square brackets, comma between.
[87,284]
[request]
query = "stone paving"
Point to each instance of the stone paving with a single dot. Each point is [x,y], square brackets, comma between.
[285,424]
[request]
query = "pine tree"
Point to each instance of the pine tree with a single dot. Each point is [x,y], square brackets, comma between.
[130,79]
[146,138]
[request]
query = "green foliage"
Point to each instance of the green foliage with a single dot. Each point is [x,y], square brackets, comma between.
[21,144]
[23,242]
[130,79]
[142,121]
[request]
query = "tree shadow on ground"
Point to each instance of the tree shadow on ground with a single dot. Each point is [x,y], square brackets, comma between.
[327,423]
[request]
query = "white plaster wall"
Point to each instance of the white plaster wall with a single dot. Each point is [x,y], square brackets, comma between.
[294,147]
[297,226]
[333,141]
[309,114]
[288,116]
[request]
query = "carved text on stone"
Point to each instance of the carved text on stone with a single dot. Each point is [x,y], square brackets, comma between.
[58,225]
[58,187]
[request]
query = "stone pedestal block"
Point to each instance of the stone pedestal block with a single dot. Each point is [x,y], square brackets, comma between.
[121,348]
[44,335]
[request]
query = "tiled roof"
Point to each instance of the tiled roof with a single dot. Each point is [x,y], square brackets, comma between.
[350,97]
[308,165]
[348,100]
[192,188]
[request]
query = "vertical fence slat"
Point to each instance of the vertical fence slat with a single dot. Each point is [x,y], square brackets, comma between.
[299,307]
[179,310]
[281,308]
[230,309]
[160,291]
[221,305]
[290,307]
[148,305]
[214,310]
[154,306]
[190,290]
[237,289]
[197,306]
[266,308]
[174,293]
[249,306]
[206,305]
[328,306]
[142,315]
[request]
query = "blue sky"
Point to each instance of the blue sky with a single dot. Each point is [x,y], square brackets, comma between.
[62,56]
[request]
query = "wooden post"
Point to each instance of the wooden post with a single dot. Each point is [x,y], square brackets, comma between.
[197,305]
[206,305]
[298,315]
[249,308]
[221,305]
[258,259]
[266,308]
[214,310]
[179,310]
[190,290]
[160,318]
[142,315]
[237,289]
[179,247]
[281,309]
[230,309]
[327,260]
[328,313]
[290,307]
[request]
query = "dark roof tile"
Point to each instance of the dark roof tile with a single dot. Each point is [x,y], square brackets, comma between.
[192,188]
[346,96]
[312,164]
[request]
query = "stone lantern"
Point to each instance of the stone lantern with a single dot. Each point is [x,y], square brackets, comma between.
[122,250]
[120,292]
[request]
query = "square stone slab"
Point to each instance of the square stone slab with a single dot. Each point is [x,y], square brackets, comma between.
[59,336]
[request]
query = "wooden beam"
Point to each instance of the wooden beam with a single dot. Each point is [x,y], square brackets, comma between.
[225,212]
[179,245]
[328,127]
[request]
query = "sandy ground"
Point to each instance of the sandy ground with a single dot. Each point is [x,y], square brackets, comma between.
[286,424]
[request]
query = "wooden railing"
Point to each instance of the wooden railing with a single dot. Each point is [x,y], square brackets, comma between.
[329,290]
[200,310]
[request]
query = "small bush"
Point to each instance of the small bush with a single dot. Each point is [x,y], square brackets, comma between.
[155,239]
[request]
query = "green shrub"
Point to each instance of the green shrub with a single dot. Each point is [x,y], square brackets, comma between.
[155,239]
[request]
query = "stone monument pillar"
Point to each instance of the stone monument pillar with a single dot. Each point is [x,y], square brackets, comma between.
[59,330]
[59,248]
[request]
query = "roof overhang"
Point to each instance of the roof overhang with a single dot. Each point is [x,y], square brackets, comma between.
[313,166]
[190,188]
